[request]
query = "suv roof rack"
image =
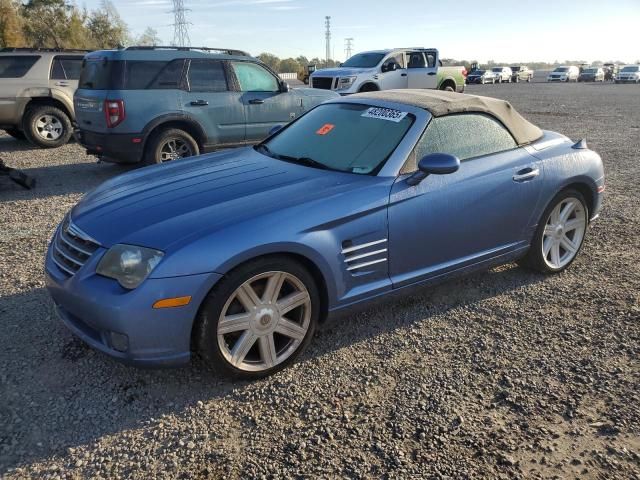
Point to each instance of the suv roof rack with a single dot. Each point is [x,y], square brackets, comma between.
[226,51]
[36,49]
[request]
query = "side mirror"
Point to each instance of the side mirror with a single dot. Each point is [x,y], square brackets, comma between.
[434,164]
[275,129]
[389,67]
[284,87]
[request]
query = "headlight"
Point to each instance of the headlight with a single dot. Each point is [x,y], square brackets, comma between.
[346,82]
[128,264]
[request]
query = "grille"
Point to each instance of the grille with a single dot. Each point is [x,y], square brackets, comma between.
[72,248]
[360,258]
[322,82]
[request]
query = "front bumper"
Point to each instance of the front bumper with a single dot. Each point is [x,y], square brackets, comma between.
[626,80]
[113,147]
[474,80]
[106,316]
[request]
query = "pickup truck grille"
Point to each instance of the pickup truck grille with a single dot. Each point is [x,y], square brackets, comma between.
[322,82]
[71,248]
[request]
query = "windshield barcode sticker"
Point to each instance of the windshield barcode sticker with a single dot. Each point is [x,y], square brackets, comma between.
[385,114]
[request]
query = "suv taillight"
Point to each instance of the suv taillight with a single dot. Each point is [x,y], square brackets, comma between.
[464,72]
[114,112]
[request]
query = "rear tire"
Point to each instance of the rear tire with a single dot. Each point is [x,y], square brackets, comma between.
[241,330]
[558,231]
[46,126]
[170,144]
[15,133]
[448,88]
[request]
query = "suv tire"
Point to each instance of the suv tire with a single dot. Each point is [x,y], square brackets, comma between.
[46,126]
[170,144]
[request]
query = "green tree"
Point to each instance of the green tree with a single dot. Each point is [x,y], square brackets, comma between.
[289,65]
[148,38]
[271,60]
[106,27]
[47,23]
[11,24]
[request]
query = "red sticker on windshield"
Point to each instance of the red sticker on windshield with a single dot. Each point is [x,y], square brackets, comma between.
[326,128]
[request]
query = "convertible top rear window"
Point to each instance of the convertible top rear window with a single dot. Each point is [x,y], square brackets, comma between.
[348,137]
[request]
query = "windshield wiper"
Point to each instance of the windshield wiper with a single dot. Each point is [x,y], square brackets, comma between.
[262,148]
[309,162]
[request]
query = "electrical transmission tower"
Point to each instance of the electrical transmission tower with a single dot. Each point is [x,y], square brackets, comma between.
[180,25]
[327,36]
[348,47]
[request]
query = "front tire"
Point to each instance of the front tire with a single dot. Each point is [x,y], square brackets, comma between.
[46,126]
[560,233]
[170,144]
[242,328]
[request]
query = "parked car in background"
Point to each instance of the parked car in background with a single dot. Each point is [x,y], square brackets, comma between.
[610,71]
[565,73]
[481,77]
[36,93]
[521,73]
[156,104]
[591,74]
[628,74]
[503,74]
[239,255]
[391,69]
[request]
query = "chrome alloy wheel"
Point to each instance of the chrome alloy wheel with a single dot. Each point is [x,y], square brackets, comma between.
[49,127]
[264,321]
[563,232]
[175,148]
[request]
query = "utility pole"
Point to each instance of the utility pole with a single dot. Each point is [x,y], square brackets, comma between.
[327,36]
[348,47]
[180,24]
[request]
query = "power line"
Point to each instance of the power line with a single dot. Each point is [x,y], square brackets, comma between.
[348,47]
[327,36]
[180,25]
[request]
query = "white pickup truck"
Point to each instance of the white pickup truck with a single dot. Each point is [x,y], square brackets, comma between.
[390,69]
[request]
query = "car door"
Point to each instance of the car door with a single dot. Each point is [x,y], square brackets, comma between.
[393,78]
[421,69]
[65,73]
[266,104]
[216,107]
[482,211]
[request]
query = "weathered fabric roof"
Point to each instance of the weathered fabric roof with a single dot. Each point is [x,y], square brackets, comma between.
[440,103]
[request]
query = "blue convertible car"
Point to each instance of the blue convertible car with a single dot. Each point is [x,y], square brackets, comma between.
[239,255]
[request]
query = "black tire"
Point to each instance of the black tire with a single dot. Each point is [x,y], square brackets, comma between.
[529,79]
[517,79]
[15,133]
[534,258]
[448,88]
[158,148]
[55,133]
[368,87]
[206,328]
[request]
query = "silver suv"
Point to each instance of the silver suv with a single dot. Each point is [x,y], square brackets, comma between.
[36,88]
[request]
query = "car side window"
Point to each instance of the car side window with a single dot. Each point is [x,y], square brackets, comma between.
[254,78]
[431,59]
[66,68]
[207,76]
[416,60]
[16,66]
[465,135]
[170,77]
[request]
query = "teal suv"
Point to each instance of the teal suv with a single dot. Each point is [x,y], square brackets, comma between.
[155,104]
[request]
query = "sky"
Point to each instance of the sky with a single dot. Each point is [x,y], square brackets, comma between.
[502,30]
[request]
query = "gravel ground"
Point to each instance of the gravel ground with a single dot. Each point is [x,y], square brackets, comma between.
[501,374]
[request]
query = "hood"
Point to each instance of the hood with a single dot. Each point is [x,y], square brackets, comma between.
[317,93]
[342,72]
[160,206]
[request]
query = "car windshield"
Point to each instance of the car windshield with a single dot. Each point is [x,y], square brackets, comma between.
[364,60]
[515,69]
[590,70]
[478,72]
[497,69]
[561,69]
[347,137]
[633,68]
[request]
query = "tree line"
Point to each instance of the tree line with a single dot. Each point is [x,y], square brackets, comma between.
[61,24]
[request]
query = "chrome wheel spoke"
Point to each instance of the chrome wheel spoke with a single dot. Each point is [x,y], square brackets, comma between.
[290,329]
[268,350]
[233,323]
[555,253]
[574,224]
[568,245]
[272,290]
[292,301]
[566,211]
[247,297]
[546,246]
[242,347]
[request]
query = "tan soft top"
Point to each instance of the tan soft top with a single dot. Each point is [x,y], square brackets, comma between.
[440,103]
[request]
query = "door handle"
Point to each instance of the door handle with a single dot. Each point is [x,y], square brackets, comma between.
[62,84]
[403,74]
[256,101]
[526,174]
[431,73]
[199,103]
